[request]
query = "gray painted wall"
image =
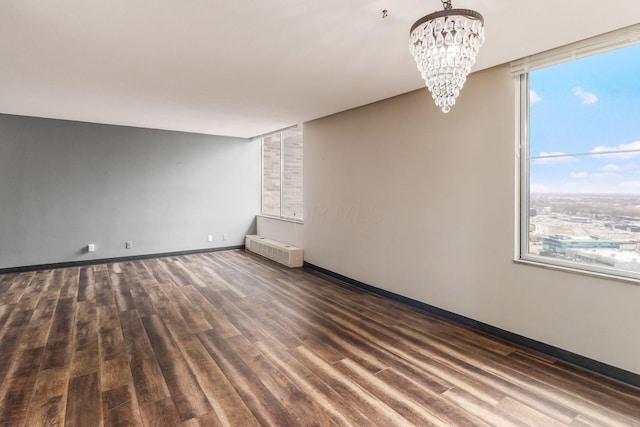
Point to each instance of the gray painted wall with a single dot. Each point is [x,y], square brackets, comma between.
[66,184]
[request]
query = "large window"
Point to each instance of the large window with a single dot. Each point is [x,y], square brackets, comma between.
[580,134]
[282,174]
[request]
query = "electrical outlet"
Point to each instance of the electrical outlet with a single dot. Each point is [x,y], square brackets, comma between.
[224,237]
[91,247]
[128,244]
[210,238]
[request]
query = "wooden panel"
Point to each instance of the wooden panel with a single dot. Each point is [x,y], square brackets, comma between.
[120,407]
[60,341]
[341,410]
[401,403]
[103,288]
[187,395]
[357,396]
[111,340]
[299,405]
[6,281]
[147,377]
[16,289]
[5,312]
[33,291]
[123,296]
[84,401]
[265,407]
[17,387]
[86,288]
[85,358]
[47,407]
[161,413]
[71,283]
[115,373]
[423,395]
[228,407]
[36,333]
[10,338]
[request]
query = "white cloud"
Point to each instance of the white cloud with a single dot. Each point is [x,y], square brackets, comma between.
[629,148]
[592,182]
[534,98]
[610,168]
[586,98]
[630,184]
[607,176]
[537,188]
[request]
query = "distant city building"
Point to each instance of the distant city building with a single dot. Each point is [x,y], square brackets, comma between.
[629,246]
[599,230]
[580,219]
[606,257]
[628,227]
[559,245]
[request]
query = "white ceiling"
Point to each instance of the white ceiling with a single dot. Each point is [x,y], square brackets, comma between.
[247,67]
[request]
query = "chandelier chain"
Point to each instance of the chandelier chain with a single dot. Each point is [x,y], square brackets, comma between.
[446,4]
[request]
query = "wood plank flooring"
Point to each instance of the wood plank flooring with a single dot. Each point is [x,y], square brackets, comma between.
[231,339]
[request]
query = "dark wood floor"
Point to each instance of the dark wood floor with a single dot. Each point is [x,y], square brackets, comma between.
[228,338]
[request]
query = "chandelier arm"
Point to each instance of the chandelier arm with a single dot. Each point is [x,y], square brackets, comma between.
[464,12]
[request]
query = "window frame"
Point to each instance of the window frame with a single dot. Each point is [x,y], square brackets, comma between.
[520,69]
[523,153]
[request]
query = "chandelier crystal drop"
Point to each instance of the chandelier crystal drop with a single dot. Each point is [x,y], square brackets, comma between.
[444,45]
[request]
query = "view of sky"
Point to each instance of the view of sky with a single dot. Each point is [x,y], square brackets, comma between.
[587,106]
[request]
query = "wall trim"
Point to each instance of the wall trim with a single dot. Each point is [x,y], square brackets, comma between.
[68,264]
[594,366]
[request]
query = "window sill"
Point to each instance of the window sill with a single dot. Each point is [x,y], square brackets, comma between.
[279,218]
[574,270]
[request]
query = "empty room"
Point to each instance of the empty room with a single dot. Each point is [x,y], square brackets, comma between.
[320,213]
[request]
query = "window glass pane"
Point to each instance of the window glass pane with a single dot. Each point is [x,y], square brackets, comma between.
[271,171]
[292,174]
[584,161]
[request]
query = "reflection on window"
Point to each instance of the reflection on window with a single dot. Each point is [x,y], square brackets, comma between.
[282,180]
[271,174]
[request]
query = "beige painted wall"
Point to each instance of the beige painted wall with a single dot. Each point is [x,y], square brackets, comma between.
[405,198]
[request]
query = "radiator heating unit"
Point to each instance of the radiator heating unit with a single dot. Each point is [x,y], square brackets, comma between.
[274,250]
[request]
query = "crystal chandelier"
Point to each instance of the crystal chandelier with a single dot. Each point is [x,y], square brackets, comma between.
[444,45]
